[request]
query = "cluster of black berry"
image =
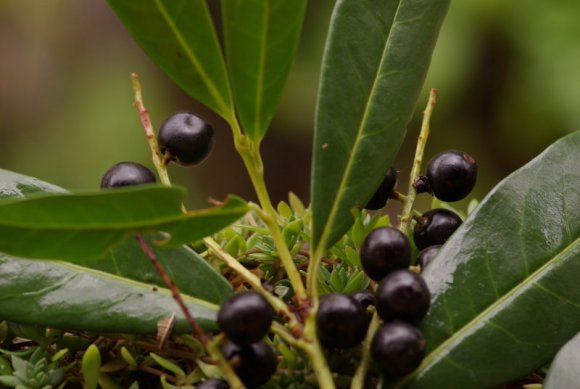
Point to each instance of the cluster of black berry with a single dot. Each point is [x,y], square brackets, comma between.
[402,297]
[184,138]
[245,319]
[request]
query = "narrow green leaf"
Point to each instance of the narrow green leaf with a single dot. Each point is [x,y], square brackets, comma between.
[90,366]
[125,264]
[374,66]
[180,36]
[564,369]
[505,293]
[169,365]
[261,37]
[64,226]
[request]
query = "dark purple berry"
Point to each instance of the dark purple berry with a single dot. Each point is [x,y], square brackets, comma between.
[365,298]
[435,227]
[254,364]
[397,349]
[421,184]
[452,175]
[384,250]
[427,254]
[341,321]
[383,193]
[403,295]
[213,383]
[185,138]
[245,318]
[127,174]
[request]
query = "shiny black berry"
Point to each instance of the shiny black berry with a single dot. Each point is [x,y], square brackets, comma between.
[341,321]
[212,383]
[427,254]
[254,364]
[185,138]
[403,295]
[365,298]
[452,175]
[435,227]
[397,349]
[384,191]
[127,174]
[384,250]
[245,318]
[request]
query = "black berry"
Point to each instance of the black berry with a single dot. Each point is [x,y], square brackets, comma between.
[341,321]
[213,383]
[365,298]
[435,227]
[452,175]
[397,349]
[127,174]
[185,138]
[384,250]
[427,254]
[245,318]
[403,295]
[254,364]
[384,191]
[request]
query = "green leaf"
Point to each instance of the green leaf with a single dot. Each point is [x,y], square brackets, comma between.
[52,292]
[374,66]
[64,226]
[90,366]
[505,293]
[67,296]
[261,37]
[564,370]
[179,35]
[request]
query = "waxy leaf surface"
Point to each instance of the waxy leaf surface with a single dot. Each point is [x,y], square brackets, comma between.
[180,36]
[374,66]
[114,293]
[505,293]
[261,37]
[65,226]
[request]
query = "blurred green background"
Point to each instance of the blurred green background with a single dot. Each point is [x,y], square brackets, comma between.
[508,73]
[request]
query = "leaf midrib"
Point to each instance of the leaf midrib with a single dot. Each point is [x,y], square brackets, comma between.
[214,93]
[488,312]
[334,209]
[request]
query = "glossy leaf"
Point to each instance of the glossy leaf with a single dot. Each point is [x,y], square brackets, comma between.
[261,37]
[63,295]
[374,66]
[125,264]
[64,226]
[179,35]
[564,371]
[505,293]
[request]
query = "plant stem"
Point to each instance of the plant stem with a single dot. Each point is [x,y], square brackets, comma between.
[358,380]
[149,132]
[421,143]
[407,214]
[249,151]
[316,353]
[279,306]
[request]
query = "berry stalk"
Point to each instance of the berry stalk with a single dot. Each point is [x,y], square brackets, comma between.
[406,215]
[405,223]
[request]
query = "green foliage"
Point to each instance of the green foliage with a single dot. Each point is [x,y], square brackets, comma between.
[90,365]
[179,35]
[367,95]
[513,261]
[38,372]
[260,39]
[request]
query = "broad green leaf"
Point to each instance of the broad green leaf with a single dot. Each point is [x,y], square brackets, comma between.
[125,262]
[564,371]
[65,226]
[179,35]
[261,37]
[67,296]
[374,66]
[505,293]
